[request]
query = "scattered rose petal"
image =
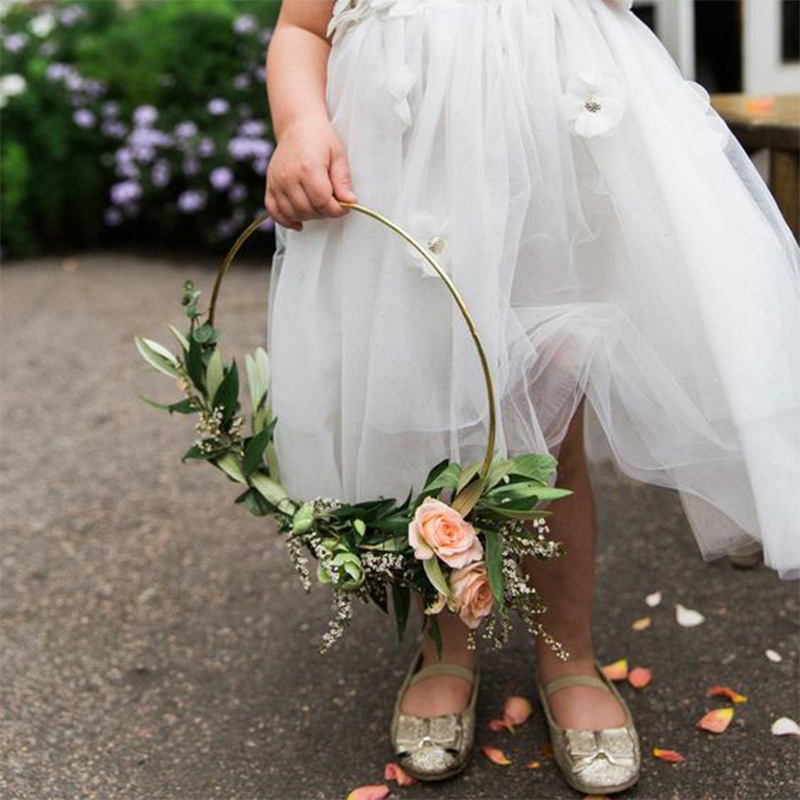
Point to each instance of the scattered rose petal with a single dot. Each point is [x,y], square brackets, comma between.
[617,671]
[653,599]
[774,656]
[725,691]
[687,617]
[547,751]
[394,772]
[516,710]
[667,755]
[639,677]
[642,623]
[785,727]
[496,756]
[377,792]
[717,720]
[533,764]
[500,725]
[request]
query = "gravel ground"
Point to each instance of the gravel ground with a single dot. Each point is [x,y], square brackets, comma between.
[156,643]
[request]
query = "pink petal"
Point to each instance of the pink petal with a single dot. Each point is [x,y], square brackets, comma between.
[394,772]
[374,792]
[496,756]
[516,710]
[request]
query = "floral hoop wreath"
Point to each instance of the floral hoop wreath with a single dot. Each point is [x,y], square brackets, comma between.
[463,552]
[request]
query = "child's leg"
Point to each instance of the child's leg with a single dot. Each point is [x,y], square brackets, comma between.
[442,694]
[567,588]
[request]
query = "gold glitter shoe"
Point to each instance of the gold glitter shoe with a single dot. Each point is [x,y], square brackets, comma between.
[434,748]
[594,762]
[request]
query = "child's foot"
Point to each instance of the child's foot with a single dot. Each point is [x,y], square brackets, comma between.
[581,707]
[441,694]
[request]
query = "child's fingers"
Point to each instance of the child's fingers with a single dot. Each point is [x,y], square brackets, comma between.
[319,192]
[340,177]
[282,211]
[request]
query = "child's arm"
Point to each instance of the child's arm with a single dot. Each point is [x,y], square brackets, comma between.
[309,172]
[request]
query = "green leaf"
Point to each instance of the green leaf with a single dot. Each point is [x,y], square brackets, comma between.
[467,474]
[497,471]
[435,634]
[205,334]
[215,372]
[397,544]
[254,452]
[530,491]
[272,461]
[401,602]
[257,368]
[229,464]
[441,466]
[536,466]
[254,503]
[273,492]
[494,564]
[227,395]
[435,575]
[466,499]
[186,406]
[182,340]
[445,479]
[158,357]
[195,367]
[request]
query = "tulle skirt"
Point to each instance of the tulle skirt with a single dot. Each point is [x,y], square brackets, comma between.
[609,235]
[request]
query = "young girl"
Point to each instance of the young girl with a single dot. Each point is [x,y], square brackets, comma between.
[613,242]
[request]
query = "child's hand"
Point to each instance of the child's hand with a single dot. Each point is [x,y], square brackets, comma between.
[308,174]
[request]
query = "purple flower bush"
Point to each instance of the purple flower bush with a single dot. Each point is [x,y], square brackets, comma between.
[174,142]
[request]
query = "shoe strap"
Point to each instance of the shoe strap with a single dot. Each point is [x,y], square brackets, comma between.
[443,669]
[573,680]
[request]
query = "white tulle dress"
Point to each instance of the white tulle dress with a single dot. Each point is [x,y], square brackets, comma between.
[609,235]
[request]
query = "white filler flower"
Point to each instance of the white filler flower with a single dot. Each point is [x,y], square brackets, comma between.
[10,86]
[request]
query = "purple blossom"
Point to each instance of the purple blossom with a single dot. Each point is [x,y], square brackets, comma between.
[191,167]
[237,193]
[241,148]
[218,106]
[221,178]
[58,71]
[84,118]
[144,142]
[114,129]
[70,15]
[125,165]
[160,174]
[145,115]
[246,23]
[74,82]
[48,49]
[260,73]
[253,128]
[241,81]
[260,166]
[125,192]
[110,109]
[191,201]
[185,130]
[15,42]
[113,217]
[267,226]
[266,36]
[206,148]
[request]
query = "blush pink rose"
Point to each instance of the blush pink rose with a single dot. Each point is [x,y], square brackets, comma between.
[438,529]
[472,593]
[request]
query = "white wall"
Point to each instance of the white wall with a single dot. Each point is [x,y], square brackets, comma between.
[763,71]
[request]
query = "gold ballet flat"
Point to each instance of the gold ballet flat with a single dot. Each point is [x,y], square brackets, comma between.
[594,762]
[434,748]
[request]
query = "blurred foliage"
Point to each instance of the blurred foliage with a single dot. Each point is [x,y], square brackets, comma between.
[144,124]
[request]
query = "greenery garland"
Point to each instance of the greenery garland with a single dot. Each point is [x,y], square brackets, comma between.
[458,543]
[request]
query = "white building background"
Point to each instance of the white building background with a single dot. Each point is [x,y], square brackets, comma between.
[731,45]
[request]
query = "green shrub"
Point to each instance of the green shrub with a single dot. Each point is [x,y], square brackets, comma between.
[148,124]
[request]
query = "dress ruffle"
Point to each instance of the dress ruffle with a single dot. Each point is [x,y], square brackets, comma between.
[609,235]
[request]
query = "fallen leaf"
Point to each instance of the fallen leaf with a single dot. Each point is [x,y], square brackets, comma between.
[642,623]
[533,764]
[617,671]
[725,691]
[653,599]
[785,727]
[639,677]
[496,756]
[547,751]
[376,792]
[667,755]
[394,772]
[774,656]
[500,725]
[687,617]
[717,720]
[516,710]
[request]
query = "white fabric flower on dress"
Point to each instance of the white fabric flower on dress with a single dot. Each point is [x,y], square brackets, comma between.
[345,13]
[593,105]
[433,233]
[400,81]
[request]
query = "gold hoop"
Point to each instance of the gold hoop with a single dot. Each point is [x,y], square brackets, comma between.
[425,253]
